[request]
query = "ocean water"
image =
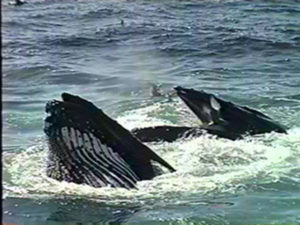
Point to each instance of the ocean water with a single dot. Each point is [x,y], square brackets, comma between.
[112,52]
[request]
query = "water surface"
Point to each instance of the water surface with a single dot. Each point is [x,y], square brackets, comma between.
[111,52]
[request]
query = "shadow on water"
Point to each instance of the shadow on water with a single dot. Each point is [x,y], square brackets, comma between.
[58,212]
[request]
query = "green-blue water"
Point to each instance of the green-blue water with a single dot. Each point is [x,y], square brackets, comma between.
[111,52]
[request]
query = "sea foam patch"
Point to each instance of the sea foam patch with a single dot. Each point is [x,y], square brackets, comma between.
[205,165]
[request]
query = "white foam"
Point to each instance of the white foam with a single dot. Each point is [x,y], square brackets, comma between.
[205,165]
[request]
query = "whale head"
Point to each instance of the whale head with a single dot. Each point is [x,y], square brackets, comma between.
[88,147]
[218,114]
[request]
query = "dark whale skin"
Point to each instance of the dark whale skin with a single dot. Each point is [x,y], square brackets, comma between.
[88,147]
[219,117]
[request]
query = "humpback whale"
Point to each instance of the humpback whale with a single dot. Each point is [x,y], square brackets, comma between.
[218,117]
[88,147]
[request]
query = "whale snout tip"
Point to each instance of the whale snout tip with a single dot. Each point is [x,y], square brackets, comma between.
[66,96]
[51,105]
[180,90]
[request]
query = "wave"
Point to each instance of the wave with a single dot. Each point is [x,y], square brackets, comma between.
[103,13]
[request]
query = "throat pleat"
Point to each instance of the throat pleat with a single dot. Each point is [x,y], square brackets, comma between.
[94,162]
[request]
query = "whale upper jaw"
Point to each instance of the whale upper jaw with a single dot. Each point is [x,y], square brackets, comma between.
[204,105]
[227,116]
[88,147]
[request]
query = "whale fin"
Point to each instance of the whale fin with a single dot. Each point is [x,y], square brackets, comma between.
[94,148]
[162,133]
[172,133]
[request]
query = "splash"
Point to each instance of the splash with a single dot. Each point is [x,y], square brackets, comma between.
[205,165]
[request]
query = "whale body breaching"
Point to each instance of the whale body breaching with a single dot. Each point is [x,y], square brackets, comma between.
[88,147]
[218,117]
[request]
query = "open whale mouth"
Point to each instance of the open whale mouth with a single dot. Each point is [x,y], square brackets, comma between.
[88,147]
[205,106]
[76,153]
[227,116]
